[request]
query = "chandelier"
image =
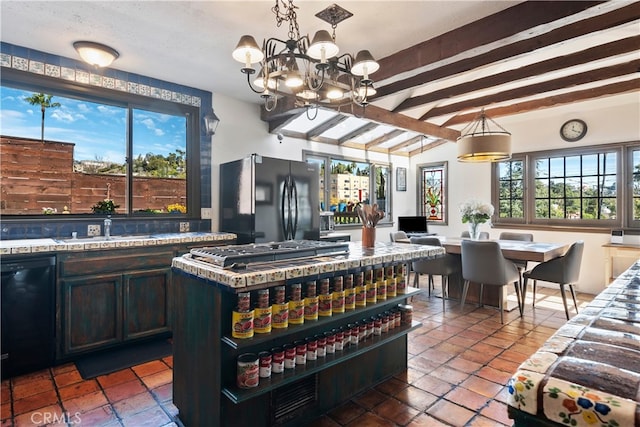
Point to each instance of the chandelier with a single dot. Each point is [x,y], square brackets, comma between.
[484,140]
[311,71]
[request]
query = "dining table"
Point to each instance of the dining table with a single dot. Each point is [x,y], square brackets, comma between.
[511,249]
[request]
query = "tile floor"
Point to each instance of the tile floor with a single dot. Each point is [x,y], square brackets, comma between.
[459,361]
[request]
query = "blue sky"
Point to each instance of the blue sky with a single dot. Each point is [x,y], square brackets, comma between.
[98,130]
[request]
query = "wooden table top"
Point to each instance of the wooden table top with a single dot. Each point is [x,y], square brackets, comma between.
[515,249]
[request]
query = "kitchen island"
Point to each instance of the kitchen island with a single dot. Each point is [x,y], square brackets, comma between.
[206,351]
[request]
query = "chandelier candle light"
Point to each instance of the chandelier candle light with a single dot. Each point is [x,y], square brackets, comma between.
[475,213]
[313,71]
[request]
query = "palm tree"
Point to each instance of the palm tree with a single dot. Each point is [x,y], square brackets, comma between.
[44,101]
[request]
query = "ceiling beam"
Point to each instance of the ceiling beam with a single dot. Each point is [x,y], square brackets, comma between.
[384,138]
[617,47]
[552,101]
[614,18]
[406,143]
[430,146]
[487,30]
[405,122]
[357,132]
[536,89]
[323,127]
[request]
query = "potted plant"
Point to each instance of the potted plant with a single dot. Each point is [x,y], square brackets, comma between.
[106,206]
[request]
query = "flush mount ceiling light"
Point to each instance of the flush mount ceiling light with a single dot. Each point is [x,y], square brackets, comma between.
[96,54]
[483,140]
[306,68]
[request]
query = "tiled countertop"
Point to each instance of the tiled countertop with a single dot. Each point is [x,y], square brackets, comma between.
[383,253]
[588,372]
[27,246]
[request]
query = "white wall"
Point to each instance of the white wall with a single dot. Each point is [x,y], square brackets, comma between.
[241,132]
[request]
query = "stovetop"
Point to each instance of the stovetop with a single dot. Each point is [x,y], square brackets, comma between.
[239,256]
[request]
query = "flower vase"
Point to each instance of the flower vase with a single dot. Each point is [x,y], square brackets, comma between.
[474,230]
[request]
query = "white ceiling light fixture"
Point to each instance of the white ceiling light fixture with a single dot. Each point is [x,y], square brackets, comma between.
[298,66]
[96,54]
[483,140]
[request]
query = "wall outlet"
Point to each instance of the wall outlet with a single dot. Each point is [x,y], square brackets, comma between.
[93,230]
[184,227]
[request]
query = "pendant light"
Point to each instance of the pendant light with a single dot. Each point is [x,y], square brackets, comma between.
[484,140]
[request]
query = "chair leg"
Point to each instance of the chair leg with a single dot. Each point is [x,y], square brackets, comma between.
[430,284]
[482,295]
[533,304]
[523,292]
[465,288]
[501,308]
[445,285]
[573,295]
[564,300]
[416,280]
[520,304]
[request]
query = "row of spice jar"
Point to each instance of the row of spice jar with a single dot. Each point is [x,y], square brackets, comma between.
[252,367]
[323,297]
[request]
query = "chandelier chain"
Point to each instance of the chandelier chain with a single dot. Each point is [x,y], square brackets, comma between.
[289,16]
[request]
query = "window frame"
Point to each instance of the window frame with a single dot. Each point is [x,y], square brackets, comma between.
[327,158]
[57,87]
[624,183]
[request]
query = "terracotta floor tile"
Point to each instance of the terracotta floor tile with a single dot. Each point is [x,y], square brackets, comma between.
[79,389]
[481,421]
[158,379]
[391,386]
[495,375]
[35,401]
[422,364]
[124,391]
[416,398]
[324,421]
[48,415]
[149,368]
[100,416]
[5,392]
[467,398]
[33,376]
[170,409]
[29,388]
[85,403]
[66,378]
[476,356]
[483,347]
[462,341]
[436,356]
[396,411]
[346,413]
[426,420]
[140,402]
[450,413]
[449,375]
[61,369]
[410,375]
[464,365]
[433,385]
[163,393]
[118,377]
[516,356]
[6,412]
[150,417]
[503,365]
[369,399]
[497,411]
[369,419]
[482,386]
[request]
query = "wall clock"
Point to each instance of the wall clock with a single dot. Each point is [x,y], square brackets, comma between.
[573,130]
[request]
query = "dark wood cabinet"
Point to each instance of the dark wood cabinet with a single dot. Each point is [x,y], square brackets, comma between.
[113,297]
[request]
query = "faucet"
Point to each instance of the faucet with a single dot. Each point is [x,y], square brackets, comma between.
[107,228]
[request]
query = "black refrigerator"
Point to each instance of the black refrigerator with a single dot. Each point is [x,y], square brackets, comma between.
[263,199]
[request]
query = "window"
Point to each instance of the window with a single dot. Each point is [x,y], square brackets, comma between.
[579,187]
[433,180]
[350,183]
[99,146]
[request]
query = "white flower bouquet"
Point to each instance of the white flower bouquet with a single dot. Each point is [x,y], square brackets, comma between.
[476,212]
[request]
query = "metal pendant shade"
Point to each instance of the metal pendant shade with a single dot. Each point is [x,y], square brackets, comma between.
[483,140]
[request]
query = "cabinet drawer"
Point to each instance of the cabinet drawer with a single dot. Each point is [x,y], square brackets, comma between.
[71,266]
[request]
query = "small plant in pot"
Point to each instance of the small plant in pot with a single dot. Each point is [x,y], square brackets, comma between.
[106,206]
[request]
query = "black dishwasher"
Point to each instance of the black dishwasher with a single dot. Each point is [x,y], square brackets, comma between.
[28,314]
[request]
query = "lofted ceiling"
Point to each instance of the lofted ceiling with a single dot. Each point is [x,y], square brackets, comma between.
[441,61]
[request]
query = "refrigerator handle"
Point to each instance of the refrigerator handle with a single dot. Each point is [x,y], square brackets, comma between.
[294,195]
[285,192]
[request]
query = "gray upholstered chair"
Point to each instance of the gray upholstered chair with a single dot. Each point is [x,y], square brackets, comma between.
[483,263]
[523,237]
[395,235]
[448,265]
[564,270]
[482,236]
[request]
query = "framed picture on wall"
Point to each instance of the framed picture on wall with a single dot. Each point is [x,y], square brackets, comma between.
[401,179]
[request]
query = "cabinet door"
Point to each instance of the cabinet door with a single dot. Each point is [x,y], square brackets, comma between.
[147,303]
[92,312]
